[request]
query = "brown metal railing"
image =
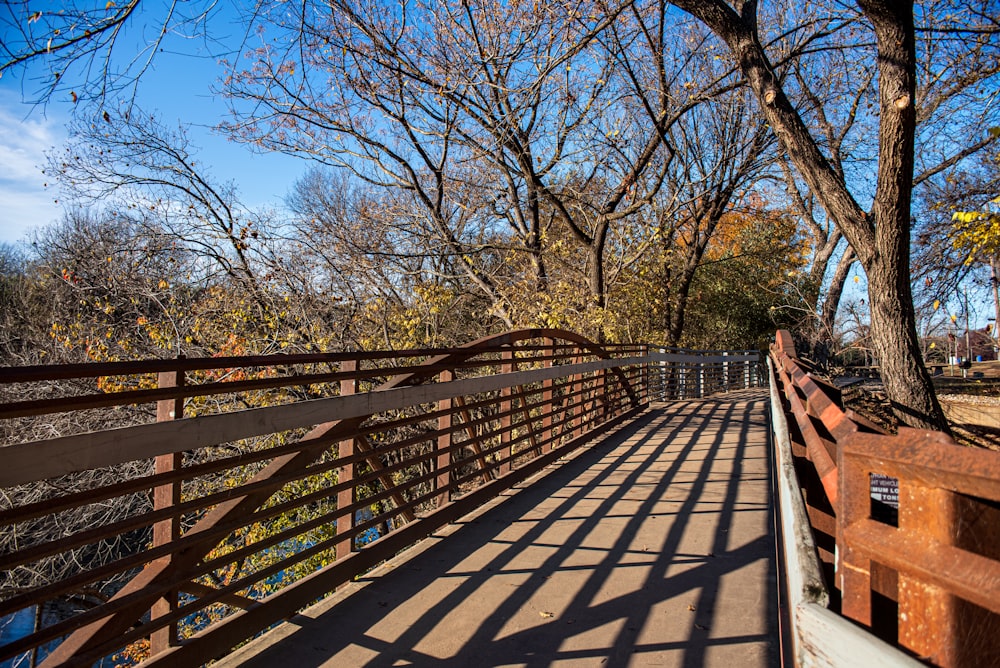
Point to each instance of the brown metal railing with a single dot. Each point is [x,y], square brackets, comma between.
[921,571]
[260,484]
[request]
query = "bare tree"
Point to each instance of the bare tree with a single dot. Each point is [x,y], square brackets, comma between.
[832,83]
[88,49]
[880,238]
[135,162]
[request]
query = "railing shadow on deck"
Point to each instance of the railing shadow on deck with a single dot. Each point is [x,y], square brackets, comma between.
[266,483]
[658,467]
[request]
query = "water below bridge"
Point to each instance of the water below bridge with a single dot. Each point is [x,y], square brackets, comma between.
[653,546]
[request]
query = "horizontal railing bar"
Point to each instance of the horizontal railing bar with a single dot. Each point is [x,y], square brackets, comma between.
[34,407]
[272,483]
[930,460]
[698,360]
[28,462]
[965,574]
[45,372]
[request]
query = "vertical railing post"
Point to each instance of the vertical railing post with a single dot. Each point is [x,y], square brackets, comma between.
[506,407]
[927,613]
[664,375]
[579,398]
[601,399]
[164,497]
[725,372]
[853,566]
[547,407]
[644,374]
[346,496]
[661,371]
[442,481]
[682,379]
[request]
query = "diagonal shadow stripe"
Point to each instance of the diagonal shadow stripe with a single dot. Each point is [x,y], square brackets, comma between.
[667,466]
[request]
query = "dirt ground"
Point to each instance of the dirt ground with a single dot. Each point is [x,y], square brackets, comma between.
[982,380]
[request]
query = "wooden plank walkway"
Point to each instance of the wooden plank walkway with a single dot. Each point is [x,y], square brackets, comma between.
[651,547]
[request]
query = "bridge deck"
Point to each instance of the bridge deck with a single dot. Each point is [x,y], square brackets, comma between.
[653,546]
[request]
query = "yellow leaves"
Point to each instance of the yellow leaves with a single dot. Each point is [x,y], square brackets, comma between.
[937,304]
[966,216]
[976,233]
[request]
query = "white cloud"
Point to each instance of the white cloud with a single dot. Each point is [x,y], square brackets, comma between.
[25,202]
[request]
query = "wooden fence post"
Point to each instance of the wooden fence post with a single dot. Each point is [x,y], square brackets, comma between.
[167,496]
[346,497]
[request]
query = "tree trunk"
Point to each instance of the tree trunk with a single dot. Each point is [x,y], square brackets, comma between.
[678,303]
[817,272]
[894,323]
[894,335]
[831,304]
[595,264]
[881,240]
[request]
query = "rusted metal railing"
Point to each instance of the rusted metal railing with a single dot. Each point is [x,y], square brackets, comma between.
[681,373]
[921,570]
[259,485]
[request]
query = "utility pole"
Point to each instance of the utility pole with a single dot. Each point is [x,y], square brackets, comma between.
[996,306]
[968,349]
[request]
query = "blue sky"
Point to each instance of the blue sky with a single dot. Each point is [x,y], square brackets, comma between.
[179,89]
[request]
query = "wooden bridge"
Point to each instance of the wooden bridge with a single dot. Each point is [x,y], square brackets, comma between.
[529,499]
